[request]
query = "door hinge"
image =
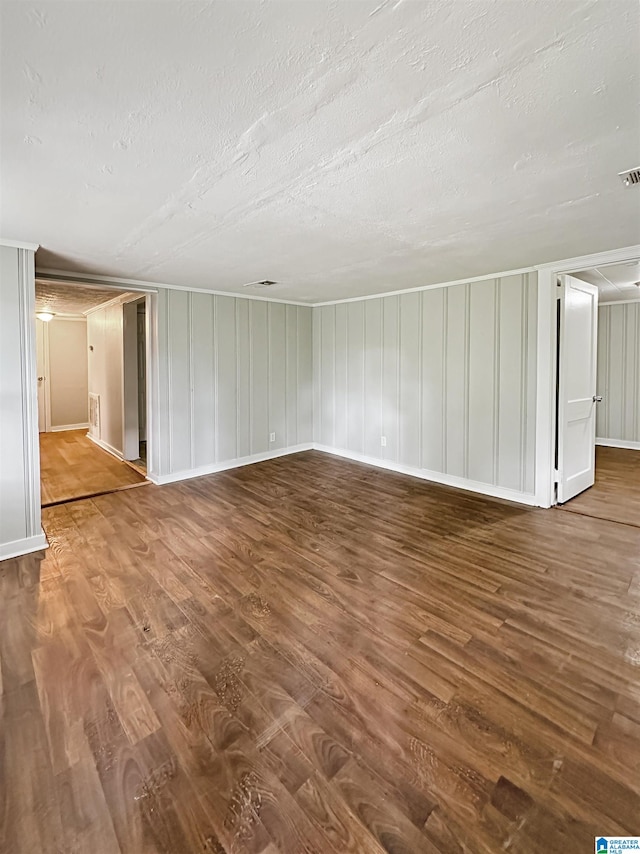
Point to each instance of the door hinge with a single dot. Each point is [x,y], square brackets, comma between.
[556,476]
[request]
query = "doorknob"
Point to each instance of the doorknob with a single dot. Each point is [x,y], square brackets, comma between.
[597,398]
[40,379]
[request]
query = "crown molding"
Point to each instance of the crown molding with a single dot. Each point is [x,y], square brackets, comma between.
[19,244]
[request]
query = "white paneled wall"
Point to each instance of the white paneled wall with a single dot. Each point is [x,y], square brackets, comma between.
[231,372]
[20,530]
[447,376]
[618,416]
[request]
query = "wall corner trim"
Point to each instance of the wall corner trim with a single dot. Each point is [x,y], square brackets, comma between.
[16,548]
[19,244]
[486,489]
[201,471]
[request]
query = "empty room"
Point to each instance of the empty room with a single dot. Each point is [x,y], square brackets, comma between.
[320,427]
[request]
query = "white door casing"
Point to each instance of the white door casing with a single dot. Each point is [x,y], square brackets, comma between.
[42,369]
[577,389]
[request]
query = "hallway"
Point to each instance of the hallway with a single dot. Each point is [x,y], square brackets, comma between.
[616,493]
[72,466]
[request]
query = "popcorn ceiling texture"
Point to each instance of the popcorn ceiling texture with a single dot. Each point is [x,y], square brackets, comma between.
[339,148]
[70,298]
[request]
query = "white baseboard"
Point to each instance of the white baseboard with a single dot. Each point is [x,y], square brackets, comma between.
[16,548]
[106,447]
[187,474]
[436,477]
[619,443]
[70,427]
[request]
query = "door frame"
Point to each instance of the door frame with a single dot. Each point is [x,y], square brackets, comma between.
[150,293]
[547,366]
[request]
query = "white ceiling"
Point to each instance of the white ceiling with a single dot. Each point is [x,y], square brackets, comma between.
[615,281]
[340,148]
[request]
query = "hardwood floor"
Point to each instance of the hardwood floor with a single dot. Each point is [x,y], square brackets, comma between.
[616,492]
[310,655]
[72,466]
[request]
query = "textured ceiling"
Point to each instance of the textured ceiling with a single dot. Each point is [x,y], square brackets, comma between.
[70,298]
[615,281]
[339,148]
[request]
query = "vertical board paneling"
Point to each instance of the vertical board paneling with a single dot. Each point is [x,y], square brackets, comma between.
[355,376]
[447,375]
[510,383]
[316,320]
[180,380]
[456,380]
[629,368]
[202,362]
[602,385]
[390,415]
[226,379]
[483,343]
[433,362]
[327,376]
[410,391]
[618,417]
[243,378]
[531,356]
[277,375]
[305,375]
[340,368]
[291,374]
[616,390]
[372,377]
[259,348]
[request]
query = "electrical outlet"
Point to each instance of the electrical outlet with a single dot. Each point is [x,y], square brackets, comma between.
[272,437]
[383,441]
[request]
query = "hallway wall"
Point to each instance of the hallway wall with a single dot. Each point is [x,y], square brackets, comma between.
[68,380]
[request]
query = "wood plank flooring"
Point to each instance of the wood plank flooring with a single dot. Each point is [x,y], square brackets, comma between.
[72,466]
[616,492]
[310,655]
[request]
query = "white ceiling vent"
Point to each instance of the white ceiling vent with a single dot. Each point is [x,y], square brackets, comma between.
[265,283]
[631,177]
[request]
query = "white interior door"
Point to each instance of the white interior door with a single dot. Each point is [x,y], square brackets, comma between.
[577,392]
[42,369]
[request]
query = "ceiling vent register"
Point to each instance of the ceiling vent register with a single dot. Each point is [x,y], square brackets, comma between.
[630,178]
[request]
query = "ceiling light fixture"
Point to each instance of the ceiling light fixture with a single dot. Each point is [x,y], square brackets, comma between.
[265,283]
[45,315]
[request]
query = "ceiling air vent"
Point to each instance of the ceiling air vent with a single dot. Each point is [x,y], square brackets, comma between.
[631,177]
[265,283]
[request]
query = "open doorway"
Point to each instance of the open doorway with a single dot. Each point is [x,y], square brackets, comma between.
[610,421]
[88,369]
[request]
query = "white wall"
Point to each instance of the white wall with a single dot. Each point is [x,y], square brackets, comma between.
[447,375]
[231,371]
[105,335]
[68,381]
[618,416]
[20,530]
